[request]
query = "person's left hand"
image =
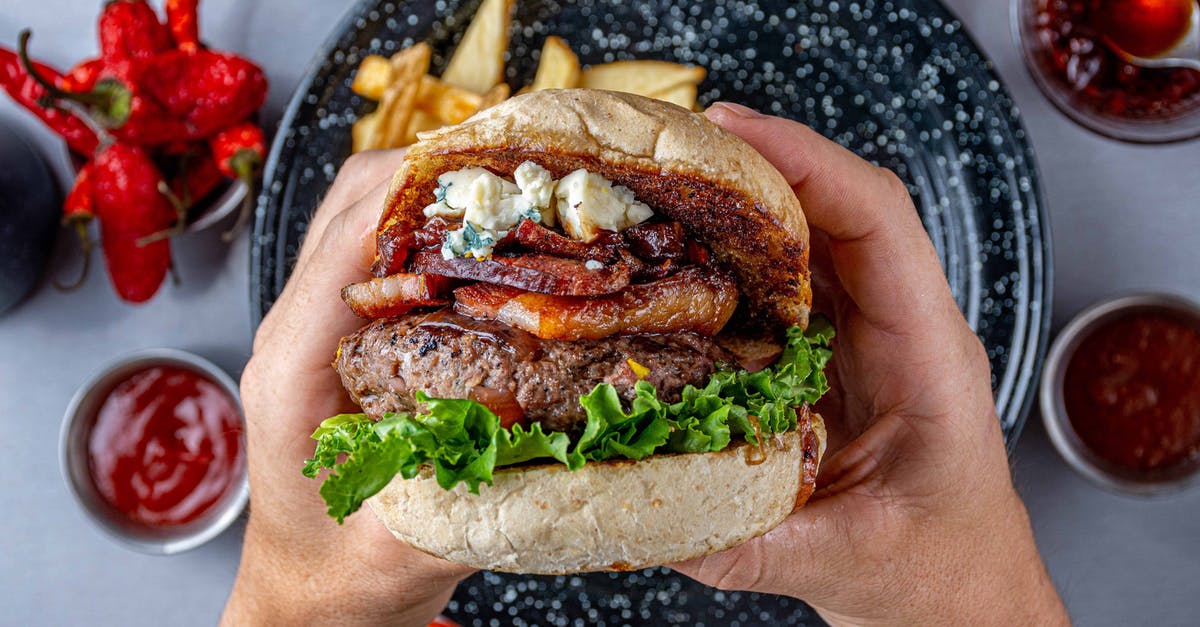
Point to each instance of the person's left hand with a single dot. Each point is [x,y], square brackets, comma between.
[298,565]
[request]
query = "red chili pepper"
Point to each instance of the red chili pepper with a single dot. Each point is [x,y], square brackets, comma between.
[27,92]
[198,177]
[78,213]
[184,24]
[131,36]
[149,125]
[207,90]
[83,77]
[127,114]
[108,102]
[239,151]
[134,217]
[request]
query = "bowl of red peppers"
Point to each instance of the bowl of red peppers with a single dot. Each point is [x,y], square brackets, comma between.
[162,130]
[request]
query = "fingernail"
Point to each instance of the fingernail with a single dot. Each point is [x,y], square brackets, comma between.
[737,110]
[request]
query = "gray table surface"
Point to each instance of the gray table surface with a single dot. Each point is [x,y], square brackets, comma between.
[1123,217]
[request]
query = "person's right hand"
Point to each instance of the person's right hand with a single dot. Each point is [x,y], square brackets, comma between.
[915,520]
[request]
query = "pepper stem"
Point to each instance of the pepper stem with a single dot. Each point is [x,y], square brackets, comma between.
[180,217]
[244,164]
[85,245]
[110,100]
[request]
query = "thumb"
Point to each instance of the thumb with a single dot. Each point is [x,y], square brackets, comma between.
[792,559]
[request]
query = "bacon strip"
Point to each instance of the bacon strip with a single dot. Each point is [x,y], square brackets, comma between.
[396,294]
[533,272]
[395,244]
[691,300]
[540,239]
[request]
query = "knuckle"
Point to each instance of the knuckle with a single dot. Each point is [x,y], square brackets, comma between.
[894,186]
[744,570]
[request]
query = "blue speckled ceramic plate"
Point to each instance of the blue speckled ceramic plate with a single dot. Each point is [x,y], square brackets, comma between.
[897,81]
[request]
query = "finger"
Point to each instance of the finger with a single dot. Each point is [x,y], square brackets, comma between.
[790,559]
[880,250]
[361,174]
[309,318]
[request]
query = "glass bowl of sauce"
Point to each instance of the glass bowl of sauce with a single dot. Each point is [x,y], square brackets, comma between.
[1121,394]
[152,449]
[1065,49]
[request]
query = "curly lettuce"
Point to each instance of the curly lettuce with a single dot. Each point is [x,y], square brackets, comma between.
[463,442]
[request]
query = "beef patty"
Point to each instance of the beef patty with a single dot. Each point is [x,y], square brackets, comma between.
[447,356]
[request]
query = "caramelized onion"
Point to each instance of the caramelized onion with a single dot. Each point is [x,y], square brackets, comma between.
[752,353]
[502,402]
[657,242]
[693,299]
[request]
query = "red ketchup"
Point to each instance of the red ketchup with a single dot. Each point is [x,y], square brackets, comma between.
[1132,391]
[1074,33]
[166,446]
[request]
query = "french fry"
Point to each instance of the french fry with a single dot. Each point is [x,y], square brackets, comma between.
[445,102]
[641,77]
[558,67]
[373,76]
[495,96]
[478,62]
[683,94]
[399,99]
[363,132]
[419,123]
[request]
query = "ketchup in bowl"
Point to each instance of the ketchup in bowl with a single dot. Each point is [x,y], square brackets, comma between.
[1132,390]
[166,446]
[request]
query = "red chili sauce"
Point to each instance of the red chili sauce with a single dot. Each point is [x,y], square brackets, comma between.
[166,446]
[1074,31]
[1132,391]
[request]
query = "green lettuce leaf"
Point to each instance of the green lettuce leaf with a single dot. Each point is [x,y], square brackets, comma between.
[463,441]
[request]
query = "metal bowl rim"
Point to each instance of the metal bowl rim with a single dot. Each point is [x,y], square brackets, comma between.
[232,505]
[1058,426]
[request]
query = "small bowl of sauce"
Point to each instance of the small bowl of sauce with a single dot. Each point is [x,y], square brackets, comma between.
[1066,48]
[1121,394]
[153,450]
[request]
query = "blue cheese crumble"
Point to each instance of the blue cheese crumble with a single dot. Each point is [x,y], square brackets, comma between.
[490,206]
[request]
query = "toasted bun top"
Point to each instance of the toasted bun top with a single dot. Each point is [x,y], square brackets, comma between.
[674,160]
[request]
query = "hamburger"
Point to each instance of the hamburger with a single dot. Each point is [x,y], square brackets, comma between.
[589,343]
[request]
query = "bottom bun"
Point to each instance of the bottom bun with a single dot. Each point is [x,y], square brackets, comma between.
[614,515]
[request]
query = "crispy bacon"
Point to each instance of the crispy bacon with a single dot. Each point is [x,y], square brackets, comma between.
[656,242]
[396,294]
[395,244]
[534,272]
[540,239]
[433,233]
[693,299]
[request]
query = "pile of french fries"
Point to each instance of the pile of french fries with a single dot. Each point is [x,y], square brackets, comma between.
[411,100]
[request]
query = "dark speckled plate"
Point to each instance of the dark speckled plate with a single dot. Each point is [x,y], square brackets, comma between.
[897,81]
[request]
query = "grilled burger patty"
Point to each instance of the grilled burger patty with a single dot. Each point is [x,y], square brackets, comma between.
[449,356]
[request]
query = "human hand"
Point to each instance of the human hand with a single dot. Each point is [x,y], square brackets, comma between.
[298,565]
[915,520]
